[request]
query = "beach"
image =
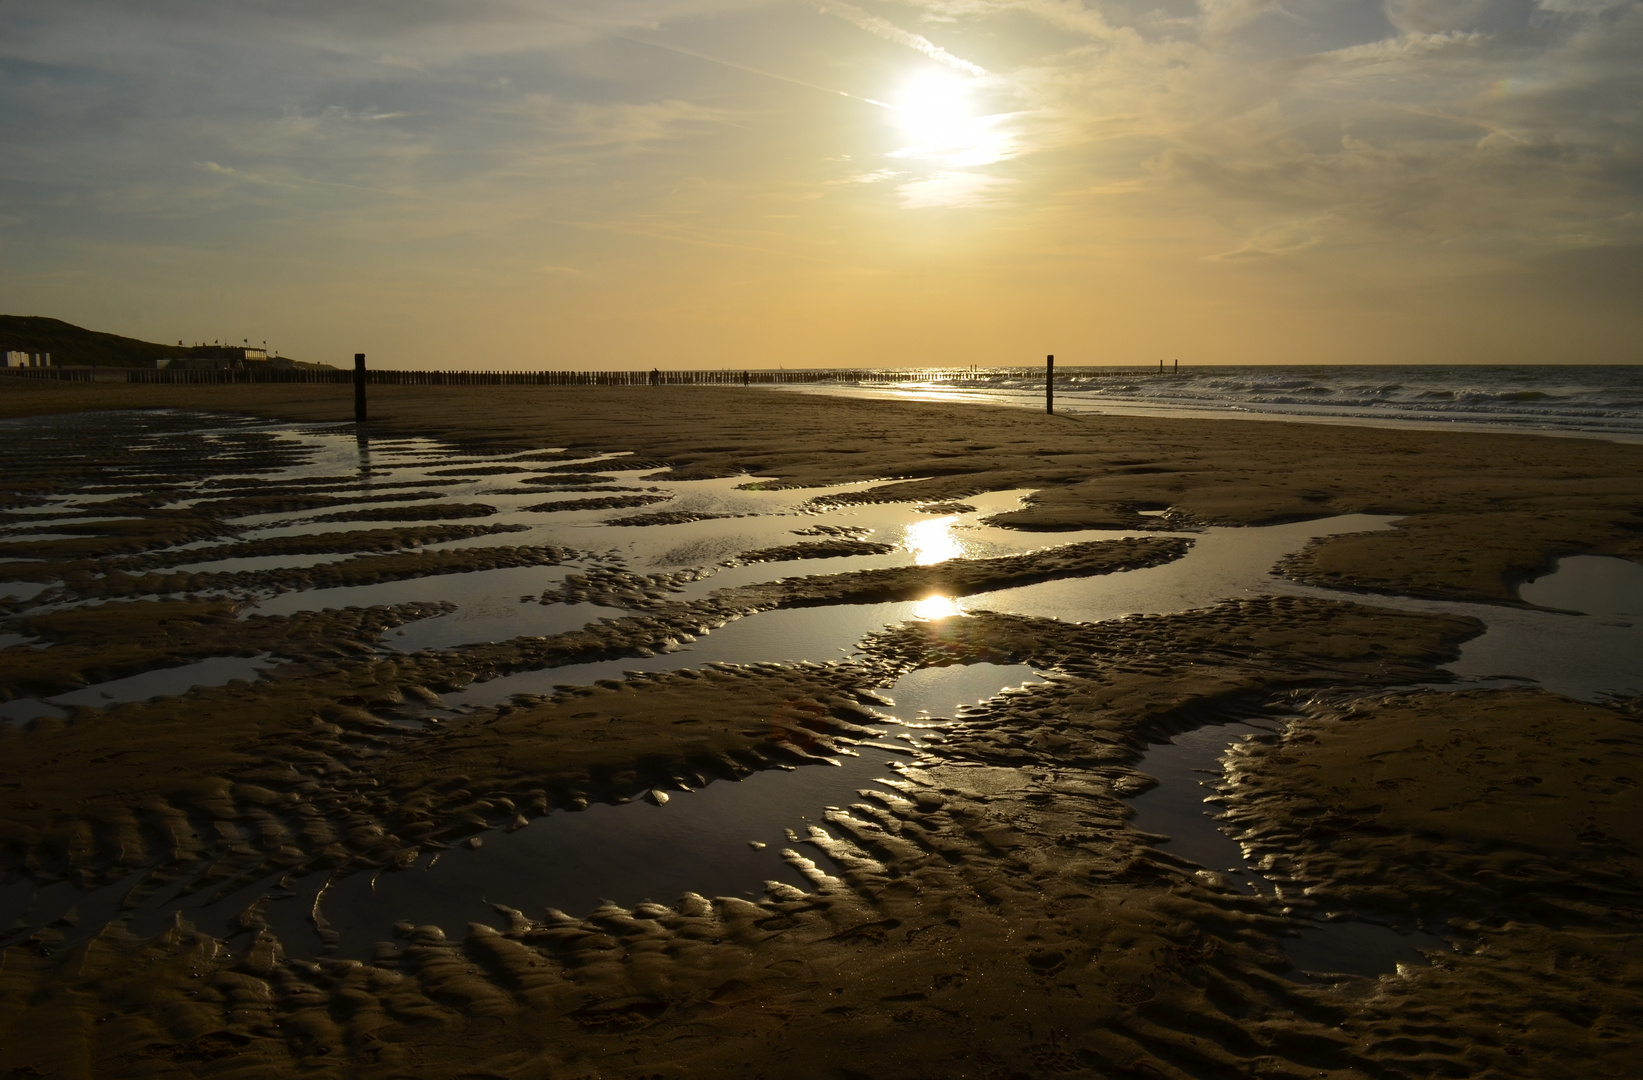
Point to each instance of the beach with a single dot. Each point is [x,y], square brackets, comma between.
[712,593]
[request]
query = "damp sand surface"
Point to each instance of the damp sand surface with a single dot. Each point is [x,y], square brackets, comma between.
[1222,562]
[1584,648]
[721,839]
[1185,809]
[161,682]
[171,682]
[785,636]
[489,605]
[1582,637]
[996,867]
[724,838]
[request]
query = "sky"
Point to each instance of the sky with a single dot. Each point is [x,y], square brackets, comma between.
[763,183]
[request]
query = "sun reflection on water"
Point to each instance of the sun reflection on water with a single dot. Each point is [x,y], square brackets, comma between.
[932,608]
[932,541]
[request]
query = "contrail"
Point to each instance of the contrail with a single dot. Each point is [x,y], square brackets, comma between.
[889,31]
[743,67]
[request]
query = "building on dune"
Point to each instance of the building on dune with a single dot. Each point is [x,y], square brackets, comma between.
[17,358]
[225,358]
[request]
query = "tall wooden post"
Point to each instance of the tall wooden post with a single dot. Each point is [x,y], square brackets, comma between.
[1049,384]
[359,388]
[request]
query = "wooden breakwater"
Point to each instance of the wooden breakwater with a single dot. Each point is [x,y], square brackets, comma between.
[393,377]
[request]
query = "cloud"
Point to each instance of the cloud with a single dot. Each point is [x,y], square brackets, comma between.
[579,126]
[953,190]
[875,177]
[1444,16]
[1274,241]
[495,137]
[1068,15]
[1221,18]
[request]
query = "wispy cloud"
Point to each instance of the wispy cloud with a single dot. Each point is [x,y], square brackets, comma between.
[1275,241]
[953,190]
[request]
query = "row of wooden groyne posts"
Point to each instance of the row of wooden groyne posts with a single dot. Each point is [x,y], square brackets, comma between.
[389,377]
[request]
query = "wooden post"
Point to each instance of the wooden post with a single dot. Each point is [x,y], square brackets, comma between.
[1049,384]
[359,388]
[1177,366]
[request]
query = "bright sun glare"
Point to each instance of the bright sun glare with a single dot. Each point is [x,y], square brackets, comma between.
[934,110]
[932,542]
[936,607]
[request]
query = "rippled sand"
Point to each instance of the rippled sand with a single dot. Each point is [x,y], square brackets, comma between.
[980,904]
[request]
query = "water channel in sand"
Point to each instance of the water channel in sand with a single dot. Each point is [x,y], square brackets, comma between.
[706,840]
[162,682]
[1585,643]
[1222,562]
[1187,769]
[701,842]
[726,838]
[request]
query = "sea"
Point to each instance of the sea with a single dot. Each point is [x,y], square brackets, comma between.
[1578,400]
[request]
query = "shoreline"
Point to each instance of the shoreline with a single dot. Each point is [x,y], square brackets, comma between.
[1069,403]
[1382,414]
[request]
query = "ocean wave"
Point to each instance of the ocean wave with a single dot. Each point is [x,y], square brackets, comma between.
[1594,398]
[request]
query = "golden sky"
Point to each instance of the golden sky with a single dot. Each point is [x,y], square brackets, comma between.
[684,183]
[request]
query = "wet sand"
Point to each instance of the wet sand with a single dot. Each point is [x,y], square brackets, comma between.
[985,908]
[1479,511]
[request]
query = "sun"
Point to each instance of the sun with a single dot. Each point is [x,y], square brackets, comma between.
[935,111]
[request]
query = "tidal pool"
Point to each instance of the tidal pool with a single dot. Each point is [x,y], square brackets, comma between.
[161,682]
[724,838]
[1587,646]
[171,682]
[1557,644]
[1221,563]
[701,841]
[1184,807]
